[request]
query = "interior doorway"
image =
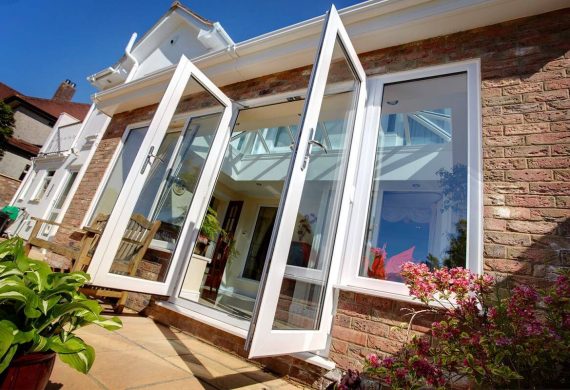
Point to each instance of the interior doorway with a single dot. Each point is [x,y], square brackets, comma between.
[228,258]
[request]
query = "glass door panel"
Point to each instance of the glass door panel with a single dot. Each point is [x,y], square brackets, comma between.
[155,209]
[294,312]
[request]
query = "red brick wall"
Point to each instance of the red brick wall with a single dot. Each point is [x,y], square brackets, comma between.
[525,67]
[9,187]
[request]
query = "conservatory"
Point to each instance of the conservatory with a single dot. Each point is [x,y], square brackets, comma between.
[261,209]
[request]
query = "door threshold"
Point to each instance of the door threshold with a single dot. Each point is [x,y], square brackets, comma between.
[236,331]
[308,357]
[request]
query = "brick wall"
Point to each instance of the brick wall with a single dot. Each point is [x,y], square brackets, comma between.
[525,67]
[9,187]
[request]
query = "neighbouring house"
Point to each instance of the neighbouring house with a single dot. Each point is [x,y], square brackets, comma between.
[47,189]
[34,120]
[289,176]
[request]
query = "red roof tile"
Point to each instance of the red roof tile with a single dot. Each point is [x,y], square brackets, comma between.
[53,108]
[21,144]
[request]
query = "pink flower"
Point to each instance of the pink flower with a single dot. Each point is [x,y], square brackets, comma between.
[373,360]
[388,362]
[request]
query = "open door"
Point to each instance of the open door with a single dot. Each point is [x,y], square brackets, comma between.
[294,309]
[152,226]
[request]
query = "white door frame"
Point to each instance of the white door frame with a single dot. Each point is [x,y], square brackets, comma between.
[262,339]
[119,218]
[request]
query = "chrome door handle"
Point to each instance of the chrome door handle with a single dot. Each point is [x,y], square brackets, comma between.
[308,150]
[320,145]
[150,159]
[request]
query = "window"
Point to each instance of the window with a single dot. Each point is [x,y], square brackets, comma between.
[424,200]
[108,196]
[24,172]
[56,209]
[43,186]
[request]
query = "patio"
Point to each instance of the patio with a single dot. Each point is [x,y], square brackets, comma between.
[147,355]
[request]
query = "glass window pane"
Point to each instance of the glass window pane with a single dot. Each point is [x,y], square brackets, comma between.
[260,243]
[119,173]
[418,210]
[44,185]
[63,195]
[304,284]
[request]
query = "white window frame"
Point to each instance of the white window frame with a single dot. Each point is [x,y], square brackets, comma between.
[36,197]
[350,278]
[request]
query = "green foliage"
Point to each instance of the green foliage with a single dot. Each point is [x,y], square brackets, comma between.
[6,125]
[457,251]
[211,226]
[454,186]
[40,310]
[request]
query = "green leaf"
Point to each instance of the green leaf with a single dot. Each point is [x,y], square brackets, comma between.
[81,361]
[7,358]
[71,345]
[41,343]
[113,323]
[7,330]
[38,274]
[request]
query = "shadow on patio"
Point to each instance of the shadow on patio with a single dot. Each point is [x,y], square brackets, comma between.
[145,354]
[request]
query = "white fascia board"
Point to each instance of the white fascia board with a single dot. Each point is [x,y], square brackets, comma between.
[372,25]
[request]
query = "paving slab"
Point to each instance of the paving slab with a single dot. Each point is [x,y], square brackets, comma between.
[148,355]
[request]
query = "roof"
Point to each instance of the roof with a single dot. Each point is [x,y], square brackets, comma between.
[178,4]
[50,107]
[23,145]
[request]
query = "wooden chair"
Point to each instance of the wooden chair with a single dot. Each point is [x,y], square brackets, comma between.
[134,244]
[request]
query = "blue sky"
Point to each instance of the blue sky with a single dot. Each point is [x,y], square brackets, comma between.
[48,41]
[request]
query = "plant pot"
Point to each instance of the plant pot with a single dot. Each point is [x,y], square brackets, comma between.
[30,372]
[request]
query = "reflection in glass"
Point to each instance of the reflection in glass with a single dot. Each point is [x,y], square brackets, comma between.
[119,173]
[260,243]
[302,291]
[419,200]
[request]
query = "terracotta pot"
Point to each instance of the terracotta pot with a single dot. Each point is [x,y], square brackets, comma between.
[30,372]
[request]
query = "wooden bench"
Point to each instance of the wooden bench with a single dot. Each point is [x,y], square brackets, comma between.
[135,242]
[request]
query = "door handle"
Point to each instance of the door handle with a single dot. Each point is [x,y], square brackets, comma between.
[320,145]
[150,159]
[308,150]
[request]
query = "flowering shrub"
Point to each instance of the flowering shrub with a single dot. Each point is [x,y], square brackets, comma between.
[495,337]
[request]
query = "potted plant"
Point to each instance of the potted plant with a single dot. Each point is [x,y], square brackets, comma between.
[39,312]
[208,232]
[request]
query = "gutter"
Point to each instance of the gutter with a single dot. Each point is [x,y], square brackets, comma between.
[373,24]
[128,53]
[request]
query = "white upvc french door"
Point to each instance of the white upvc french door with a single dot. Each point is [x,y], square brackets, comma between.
[294,309]
[167,185]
